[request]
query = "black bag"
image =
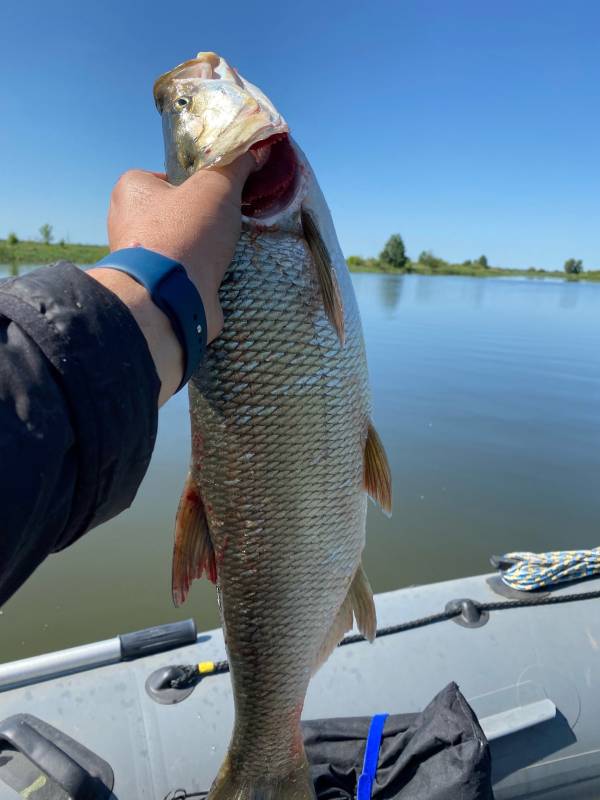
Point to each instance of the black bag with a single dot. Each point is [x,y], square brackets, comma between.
[439,754]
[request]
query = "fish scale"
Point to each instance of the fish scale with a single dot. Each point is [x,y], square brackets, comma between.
[302,487]
[283,450]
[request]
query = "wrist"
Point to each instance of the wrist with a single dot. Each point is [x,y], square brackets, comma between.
[212,307]
[156,327]
[205,281]
[172,291]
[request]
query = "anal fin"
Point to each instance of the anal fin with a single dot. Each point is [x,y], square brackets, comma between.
[330,291]
[193,553]
[363,607]
[335,634]
[358,604]
[377,475]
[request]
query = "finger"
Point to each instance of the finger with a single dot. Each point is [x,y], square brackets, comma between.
[139,171]
[240,169]
[235,174]
[137,177]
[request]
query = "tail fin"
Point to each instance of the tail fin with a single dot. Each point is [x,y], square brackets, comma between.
[234,785]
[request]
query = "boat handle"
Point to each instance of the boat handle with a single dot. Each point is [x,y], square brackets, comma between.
[50,759]
[517,719]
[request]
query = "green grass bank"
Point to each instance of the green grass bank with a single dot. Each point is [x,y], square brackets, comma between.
[28,252]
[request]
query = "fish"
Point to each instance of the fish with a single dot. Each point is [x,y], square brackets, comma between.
[284,453]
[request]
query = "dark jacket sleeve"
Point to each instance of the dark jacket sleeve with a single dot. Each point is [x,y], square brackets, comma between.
[78,413]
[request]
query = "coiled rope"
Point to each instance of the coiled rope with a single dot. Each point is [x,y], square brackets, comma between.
[528,572]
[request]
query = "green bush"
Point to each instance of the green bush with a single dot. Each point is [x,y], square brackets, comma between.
[394,252]
[573,266]
[46,233]
[355,261]
[431,261]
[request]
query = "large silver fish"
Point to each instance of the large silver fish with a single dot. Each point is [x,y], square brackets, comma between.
[283,449]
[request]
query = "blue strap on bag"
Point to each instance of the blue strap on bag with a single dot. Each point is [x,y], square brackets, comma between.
[365,781]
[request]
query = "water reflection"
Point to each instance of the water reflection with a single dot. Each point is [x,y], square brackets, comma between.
[486,394]
[390,291]
[11,270]
[425,291]
[569,295]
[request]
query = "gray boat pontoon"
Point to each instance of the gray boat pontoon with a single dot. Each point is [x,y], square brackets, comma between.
[531,674]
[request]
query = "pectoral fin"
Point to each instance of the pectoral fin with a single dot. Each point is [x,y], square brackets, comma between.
[332,299]
[377,477]
[193,553]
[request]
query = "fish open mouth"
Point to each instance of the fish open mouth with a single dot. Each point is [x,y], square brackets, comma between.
[271,188]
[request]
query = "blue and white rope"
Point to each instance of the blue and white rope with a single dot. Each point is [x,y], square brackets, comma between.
[544,570]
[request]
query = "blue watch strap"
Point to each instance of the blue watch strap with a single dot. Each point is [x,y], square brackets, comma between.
[173,292]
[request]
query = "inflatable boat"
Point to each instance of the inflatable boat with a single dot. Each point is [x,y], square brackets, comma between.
[149,714]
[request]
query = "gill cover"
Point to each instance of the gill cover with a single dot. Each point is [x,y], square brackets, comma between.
[211,115]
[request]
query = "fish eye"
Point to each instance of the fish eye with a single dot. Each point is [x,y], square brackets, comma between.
[181,103]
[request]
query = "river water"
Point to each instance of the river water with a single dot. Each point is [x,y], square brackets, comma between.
[486,392]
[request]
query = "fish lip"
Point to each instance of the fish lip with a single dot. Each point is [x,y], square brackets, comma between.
[262,135]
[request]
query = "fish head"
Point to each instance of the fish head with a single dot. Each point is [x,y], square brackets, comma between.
[211,115]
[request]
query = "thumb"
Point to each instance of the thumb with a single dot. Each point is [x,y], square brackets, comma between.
[231,177]
[240,169]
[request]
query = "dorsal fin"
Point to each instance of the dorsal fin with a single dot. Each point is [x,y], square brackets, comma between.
[377,477]
[330,291]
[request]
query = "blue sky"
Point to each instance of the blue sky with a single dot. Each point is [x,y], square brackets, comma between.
[469,127]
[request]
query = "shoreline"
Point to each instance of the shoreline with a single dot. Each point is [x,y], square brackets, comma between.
[487,272]
[29,252]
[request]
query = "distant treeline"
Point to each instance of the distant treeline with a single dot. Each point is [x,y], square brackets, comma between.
[394,259]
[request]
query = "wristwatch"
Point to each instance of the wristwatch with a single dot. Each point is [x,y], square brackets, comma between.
[173,292]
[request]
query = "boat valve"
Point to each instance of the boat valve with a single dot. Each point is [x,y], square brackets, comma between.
[468,613]
[172,684]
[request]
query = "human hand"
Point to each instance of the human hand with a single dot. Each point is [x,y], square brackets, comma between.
[197,223]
